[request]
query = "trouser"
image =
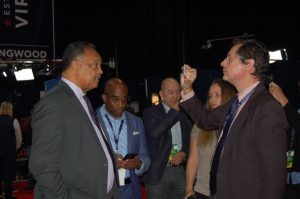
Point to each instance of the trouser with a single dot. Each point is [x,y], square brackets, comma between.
[201,196]
[7,170]
[292,191]
[171,186]
[8,188]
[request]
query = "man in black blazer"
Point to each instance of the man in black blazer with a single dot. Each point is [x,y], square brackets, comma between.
[70,156]
[293,150]
[168,133]
[251,161]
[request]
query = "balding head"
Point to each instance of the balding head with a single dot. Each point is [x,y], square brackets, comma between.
[115,97]
[170,91]
[114,83]
[82,65]
[166,82]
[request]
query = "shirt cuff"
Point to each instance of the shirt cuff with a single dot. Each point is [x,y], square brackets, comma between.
[139,171]
[187,96]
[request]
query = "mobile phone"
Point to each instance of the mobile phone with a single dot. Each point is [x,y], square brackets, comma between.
[184,70]
[129,156]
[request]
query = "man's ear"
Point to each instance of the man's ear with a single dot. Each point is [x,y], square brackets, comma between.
[250,65]
[160,95]
[75,65]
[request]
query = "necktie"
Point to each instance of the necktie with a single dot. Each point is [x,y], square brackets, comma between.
[92,112]
[95,120]
[215,163]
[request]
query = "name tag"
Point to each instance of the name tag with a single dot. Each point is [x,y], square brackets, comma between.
[290,158]
[121,176]
[174,151]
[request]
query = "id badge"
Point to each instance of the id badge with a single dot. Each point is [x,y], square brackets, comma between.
[121,176]
[290,158]
[174,151]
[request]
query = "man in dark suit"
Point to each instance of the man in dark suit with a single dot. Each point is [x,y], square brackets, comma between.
[168,133]
[251,161]
[127,136]
[293,150]
[70,157]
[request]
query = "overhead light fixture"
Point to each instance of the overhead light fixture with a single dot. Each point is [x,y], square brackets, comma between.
[208,44]
[24,74]
[277,55]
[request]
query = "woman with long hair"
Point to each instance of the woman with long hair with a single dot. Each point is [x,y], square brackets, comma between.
[203,143]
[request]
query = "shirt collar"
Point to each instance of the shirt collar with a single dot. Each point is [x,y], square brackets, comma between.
[166,107]
[242,94]
[78,92]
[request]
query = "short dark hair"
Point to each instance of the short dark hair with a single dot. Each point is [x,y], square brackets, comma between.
[73,51]
[256,50]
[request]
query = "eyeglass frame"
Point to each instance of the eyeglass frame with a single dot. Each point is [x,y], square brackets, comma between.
[241,58]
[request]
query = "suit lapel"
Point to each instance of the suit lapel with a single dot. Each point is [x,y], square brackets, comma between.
[103,126]
[81,111]
[129,132]
[162,111]
[239,122]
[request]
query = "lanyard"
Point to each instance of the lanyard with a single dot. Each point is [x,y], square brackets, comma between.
[119,132]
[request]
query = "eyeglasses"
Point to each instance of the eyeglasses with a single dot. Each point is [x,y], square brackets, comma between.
[115,99]
[241,58]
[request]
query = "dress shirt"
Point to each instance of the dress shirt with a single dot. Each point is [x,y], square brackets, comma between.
[241,96]
[175,130]
[79,94]
[122,137]
[187,96]
[293,177]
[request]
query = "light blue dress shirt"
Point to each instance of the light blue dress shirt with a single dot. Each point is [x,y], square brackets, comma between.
[175,130]
[120,144]
[117,135]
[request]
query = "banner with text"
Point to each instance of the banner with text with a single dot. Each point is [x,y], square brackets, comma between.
[26,29]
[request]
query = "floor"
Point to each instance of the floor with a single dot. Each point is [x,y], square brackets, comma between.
[21,192]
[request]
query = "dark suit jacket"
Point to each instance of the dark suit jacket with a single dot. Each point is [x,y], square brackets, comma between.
[253,163]
[159,137]
[294,120]
[67,158]
[136,142]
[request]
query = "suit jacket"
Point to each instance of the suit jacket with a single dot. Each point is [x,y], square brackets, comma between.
[294,143]
[136,143]
[67,158]
[158,126]
[253,162]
